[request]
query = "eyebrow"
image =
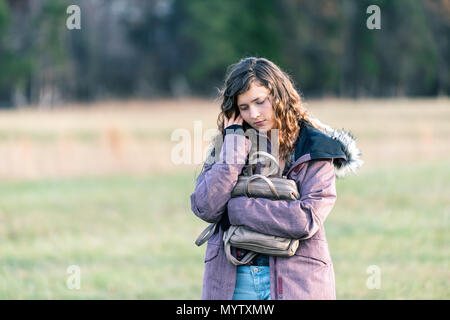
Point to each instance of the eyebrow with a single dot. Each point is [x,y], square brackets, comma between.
[244,104]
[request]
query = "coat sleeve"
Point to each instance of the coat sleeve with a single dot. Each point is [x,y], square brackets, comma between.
[298,219]
[214,184]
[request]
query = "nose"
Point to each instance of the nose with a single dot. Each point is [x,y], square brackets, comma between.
[254,113]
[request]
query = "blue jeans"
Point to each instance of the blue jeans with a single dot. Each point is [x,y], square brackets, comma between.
[252,283]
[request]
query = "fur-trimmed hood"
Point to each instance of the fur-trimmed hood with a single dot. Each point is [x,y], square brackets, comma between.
[331,143]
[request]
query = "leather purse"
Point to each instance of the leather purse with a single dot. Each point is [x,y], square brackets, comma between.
[244,238]
[269,186]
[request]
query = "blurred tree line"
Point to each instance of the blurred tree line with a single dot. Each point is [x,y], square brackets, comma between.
[174,48]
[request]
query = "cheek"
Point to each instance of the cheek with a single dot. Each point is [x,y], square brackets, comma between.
[268,111]
[245,115]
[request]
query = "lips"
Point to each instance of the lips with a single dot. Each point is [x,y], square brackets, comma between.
[259,123]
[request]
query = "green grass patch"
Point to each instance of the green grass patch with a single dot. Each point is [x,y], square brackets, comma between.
[132,237]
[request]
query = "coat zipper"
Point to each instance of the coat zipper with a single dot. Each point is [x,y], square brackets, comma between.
[278,281]
[275,276]
[280,288]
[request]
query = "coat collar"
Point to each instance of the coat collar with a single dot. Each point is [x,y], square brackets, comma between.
[312,143]
[338,145]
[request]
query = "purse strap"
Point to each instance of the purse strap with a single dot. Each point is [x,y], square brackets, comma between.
[206,234]
[227,248]
[274,166]
[209,231]
[260,176]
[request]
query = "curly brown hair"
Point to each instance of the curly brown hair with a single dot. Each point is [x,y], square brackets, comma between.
[287,104]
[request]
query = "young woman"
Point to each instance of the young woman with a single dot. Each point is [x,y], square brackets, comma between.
[258,95]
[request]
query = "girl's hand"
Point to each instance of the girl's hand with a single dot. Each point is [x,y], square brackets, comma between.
[233,120]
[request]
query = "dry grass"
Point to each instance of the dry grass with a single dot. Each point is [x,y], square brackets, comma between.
[135,136]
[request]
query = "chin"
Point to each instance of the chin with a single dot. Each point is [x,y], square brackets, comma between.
[263,129]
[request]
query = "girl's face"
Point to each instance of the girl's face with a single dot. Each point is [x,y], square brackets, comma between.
[255,106]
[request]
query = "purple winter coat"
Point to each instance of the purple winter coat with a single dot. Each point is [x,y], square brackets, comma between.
[308,274]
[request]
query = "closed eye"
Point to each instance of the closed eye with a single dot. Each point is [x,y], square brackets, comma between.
[257,102]
[261,101]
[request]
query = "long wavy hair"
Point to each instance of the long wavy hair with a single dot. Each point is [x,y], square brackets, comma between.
[287,104]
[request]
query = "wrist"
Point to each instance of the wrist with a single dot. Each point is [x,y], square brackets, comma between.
[234,129]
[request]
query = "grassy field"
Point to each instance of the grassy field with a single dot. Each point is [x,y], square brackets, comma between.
[96,188]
